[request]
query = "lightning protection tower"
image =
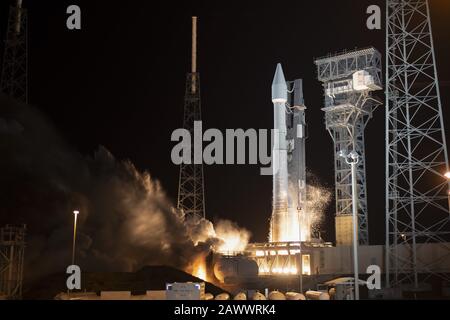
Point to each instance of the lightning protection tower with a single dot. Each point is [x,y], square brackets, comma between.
[348,80]
[191,199]
[14,78]
[12,250]
[417,199]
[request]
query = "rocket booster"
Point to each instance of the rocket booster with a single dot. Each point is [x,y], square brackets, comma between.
[280,200]
[299,218]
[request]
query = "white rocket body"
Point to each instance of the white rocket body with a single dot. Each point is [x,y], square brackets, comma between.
[289,221]
[280,200]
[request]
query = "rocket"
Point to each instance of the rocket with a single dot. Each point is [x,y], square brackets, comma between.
[279,155]
[289,215]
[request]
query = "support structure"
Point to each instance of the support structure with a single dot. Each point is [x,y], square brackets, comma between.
[417,198]
[191,199]
[348,80]
[12,250]
[14,78]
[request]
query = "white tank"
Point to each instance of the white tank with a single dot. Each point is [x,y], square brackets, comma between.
[258,296]
[209,296]
[240,296]
[294,296]
[235,268]
[276,295]
[222,296]
[317,295]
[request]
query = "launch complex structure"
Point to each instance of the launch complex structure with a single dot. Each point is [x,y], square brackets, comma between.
[14,83]
[417,246]
[348,78]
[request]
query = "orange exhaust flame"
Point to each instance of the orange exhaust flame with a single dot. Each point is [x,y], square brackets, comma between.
[199,269]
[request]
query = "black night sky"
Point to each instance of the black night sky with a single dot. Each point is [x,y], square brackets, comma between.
[120,81]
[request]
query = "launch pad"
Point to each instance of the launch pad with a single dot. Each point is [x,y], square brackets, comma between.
[284,258]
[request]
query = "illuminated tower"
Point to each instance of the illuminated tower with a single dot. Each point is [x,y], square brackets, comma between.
[348,81]
[417,200]
[14,80]
[191,199]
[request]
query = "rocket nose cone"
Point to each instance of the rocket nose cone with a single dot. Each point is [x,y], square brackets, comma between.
[279,87]
[279,76]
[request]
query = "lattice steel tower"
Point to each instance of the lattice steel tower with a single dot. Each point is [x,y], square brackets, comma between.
[191,199]
[12,250]
[417,200]
[14,78]
[348,80]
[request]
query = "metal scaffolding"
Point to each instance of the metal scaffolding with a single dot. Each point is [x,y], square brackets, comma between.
[191,200]
[12,250]
[14,77]
[348,80]
[417,199]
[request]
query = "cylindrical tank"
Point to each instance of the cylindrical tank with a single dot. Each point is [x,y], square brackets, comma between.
[222,296]
[240,296]
[258,296]
[294,296]
[209,296]
[237,267]
[276,295]
[317,295]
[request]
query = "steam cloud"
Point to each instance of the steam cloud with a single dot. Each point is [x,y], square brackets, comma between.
[127,220]
[318,198]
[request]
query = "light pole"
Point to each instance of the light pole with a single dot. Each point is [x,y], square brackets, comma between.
[352,159]
[75,215]
[300,247]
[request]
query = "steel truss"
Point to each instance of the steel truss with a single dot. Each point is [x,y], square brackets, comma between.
[191,200]
[347,112]
[417,210]
[12,251]
[14,78]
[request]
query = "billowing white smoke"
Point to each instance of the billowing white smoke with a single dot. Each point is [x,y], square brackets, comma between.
[126,220]
[225,236]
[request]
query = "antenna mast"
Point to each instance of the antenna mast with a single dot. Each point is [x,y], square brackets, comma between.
[191,200]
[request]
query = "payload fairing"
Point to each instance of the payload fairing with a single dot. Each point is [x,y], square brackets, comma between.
[289,217]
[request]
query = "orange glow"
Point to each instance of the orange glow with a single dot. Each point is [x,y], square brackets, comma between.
[199,269]
[306,264]
[294,225]
[233,238]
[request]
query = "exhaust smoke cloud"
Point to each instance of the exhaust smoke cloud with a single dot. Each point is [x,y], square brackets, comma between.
[126,219]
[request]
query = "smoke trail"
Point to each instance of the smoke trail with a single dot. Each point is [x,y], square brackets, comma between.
[126,219]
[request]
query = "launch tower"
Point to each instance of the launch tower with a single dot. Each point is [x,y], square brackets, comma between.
[12,249]
[417,198]
[14,79]
[348,80]
[191,199]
